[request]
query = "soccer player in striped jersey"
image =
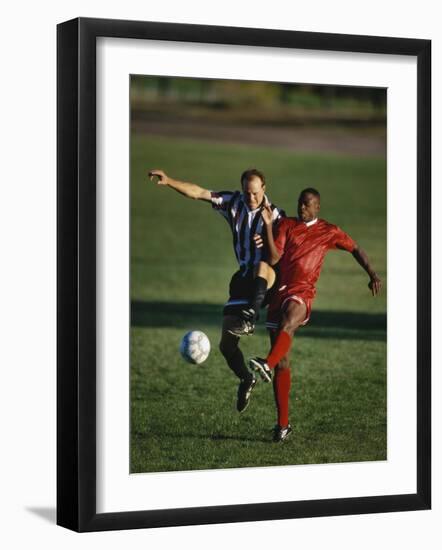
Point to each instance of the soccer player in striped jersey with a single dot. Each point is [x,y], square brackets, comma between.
[299,248]
[250,216]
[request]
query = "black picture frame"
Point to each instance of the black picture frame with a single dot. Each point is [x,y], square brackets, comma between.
[76,274]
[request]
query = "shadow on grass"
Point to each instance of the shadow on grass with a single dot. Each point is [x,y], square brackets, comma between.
[341,325]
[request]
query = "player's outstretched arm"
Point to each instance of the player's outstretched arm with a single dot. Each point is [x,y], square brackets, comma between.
[361,257]
[190,190]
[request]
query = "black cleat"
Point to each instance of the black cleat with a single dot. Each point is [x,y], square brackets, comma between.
[242,328]
[249,314]
[281,434]
[260,366]
[245,389]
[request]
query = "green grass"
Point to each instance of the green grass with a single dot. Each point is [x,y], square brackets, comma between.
[182,416]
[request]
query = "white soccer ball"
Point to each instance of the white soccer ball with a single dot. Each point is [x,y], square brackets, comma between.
[195,347]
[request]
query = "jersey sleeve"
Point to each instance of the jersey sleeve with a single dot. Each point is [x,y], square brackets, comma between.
[277,213]
[221,200]
[280,234]
[342,241]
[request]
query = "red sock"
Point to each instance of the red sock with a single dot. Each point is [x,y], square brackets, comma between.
[281,388]
[279,349]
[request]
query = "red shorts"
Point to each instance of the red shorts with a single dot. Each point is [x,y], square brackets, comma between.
[279,302]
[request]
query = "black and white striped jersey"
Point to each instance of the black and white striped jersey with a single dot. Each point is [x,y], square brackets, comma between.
[244,223]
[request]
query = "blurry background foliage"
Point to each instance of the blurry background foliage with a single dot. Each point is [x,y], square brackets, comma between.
[283,102]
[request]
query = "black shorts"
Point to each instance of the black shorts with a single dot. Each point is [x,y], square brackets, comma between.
[241,292]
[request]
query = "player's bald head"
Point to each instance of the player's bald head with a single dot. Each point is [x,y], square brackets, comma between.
[252,174]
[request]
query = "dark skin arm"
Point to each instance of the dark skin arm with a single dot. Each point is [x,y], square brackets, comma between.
[361,257]
[273,255]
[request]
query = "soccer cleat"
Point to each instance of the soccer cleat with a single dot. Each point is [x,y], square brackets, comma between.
[245,389]
[242,328]
[280,434]
[249,315]
[260,366]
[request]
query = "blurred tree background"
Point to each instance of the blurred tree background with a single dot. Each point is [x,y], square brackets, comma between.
[279,103]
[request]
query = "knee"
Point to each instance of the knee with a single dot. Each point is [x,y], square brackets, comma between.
[265,271]
[262,269]
[283,364]
[290,326]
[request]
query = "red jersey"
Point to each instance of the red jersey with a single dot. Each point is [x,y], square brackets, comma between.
[303,247]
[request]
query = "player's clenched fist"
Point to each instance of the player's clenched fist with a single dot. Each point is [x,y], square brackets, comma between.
[162,177]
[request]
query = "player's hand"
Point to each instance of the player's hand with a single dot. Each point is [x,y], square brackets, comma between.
[267,214]
[375,284]
[162,177]
[259,243]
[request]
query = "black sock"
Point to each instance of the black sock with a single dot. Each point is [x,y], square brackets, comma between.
[259,293]
[237,364]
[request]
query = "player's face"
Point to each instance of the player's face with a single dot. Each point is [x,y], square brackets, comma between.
[253,192]
[308,207]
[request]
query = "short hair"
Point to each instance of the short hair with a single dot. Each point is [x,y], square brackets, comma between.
[251,173]
[309,191]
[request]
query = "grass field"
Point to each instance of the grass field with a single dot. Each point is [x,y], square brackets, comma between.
[183,417]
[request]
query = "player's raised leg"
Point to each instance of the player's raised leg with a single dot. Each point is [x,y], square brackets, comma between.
[293,316]
[264,279]
[235,360]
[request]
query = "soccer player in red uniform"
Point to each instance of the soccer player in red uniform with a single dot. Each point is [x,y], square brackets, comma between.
[299,248]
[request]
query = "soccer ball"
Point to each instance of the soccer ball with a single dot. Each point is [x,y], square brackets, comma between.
[195,347]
